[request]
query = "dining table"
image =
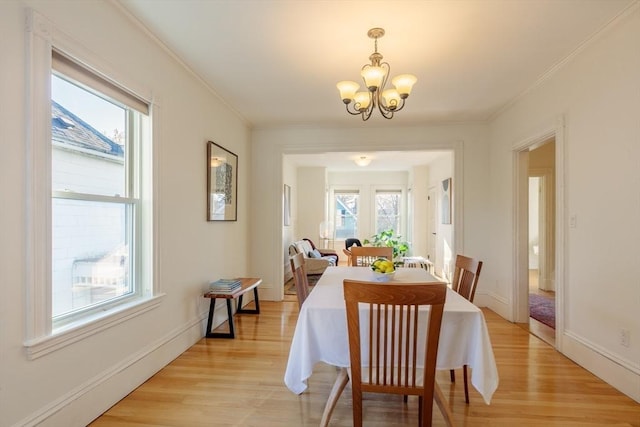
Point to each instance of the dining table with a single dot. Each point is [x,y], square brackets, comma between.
[321,331]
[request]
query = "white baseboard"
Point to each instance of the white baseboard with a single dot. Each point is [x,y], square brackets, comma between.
[621,374]
[86,402]
[495,303]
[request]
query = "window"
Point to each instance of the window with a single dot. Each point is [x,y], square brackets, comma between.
[90,213]
[388,210]
[96,138]
[346,213]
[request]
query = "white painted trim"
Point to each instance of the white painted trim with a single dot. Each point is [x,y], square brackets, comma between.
[129,367]
[561,238]
[620,373]
[593,38]
[40,339]
[41,346]
[38,169]
[302,147]
[172,54]
[555,130]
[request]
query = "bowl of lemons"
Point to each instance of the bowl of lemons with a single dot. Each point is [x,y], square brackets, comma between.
[383,270]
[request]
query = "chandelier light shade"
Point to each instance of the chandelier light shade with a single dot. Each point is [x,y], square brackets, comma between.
[375,76]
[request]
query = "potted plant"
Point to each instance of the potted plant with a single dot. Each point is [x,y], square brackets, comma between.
[388,238]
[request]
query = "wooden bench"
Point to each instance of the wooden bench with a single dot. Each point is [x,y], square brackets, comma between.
[248,284]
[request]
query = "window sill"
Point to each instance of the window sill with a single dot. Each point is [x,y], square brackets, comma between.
[42,346]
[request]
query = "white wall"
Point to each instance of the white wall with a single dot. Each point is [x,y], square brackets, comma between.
[311,203]
[445,245]
[72,385]
[597,94]
[419,184]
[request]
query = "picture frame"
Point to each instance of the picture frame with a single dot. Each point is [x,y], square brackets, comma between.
[222,183]
[287,205]
[445,201]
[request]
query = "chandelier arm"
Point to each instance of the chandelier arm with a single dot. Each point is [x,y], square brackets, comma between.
[367,113]
[354,112]
[387,114]
[401,106]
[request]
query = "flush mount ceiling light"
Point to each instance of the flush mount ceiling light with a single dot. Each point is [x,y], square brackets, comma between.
[363,161]
[375,77]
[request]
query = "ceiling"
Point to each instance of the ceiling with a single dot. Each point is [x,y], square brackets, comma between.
[276,62]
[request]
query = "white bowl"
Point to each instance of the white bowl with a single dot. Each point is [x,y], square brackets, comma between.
[383,277]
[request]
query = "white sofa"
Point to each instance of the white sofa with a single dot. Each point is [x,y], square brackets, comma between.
[314,262]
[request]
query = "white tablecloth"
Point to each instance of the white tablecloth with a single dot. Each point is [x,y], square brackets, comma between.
[321,331]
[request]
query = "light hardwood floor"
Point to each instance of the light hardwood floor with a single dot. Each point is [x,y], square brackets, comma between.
[239,382]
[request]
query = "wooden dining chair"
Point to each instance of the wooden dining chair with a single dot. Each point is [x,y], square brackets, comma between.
[299,277]
[465,281]
[347,252]
[366,255]
[391,330]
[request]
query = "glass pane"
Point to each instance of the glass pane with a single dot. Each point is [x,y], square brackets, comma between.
[91,253]
[387,212]
[346,215]
[88,141]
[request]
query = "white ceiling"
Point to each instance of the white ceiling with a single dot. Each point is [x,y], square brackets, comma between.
[276,62]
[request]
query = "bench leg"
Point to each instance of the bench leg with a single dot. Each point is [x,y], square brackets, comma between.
[231,333]
[249,310]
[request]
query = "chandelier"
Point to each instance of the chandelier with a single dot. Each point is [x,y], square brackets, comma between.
[375,77]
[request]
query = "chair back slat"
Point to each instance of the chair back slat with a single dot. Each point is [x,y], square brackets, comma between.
[465,276]
[299,277]
[366,255]
[398,328]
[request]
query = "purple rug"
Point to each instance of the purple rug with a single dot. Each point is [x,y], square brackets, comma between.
[543,309]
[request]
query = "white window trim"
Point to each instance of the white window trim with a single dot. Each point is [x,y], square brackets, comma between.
[342,188]
[40,339]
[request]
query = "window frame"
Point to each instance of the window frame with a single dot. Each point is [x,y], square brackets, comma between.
[345,190]
[41,337]
[401,207]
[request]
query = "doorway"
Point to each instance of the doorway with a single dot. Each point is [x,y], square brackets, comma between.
[537,239]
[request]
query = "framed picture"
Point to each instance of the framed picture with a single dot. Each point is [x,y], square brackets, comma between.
[287,205]
[445,202]
[222,183]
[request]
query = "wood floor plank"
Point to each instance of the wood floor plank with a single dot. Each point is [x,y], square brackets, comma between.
[239,382]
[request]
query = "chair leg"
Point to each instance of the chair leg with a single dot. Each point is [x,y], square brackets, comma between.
[442,405]
[336,391]
[452,374]
[466,387]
